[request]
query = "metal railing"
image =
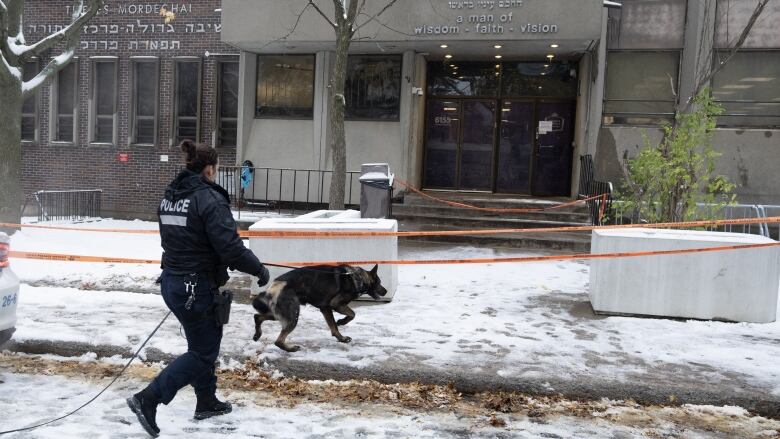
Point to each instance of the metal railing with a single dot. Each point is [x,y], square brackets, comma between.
[619,214]
[283,189]
[68,205]
[590,187]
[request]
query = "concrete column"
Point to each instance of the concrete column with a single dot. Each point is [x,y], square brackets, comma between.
[598,64]
[699,35]
[598,77]
[247,86]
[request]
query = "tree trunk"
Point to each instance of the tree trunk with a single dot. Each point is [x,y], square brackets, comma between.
[10,152]
[338,141]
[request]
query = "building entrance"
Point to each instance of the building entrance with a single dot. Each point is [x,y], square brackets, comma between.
[510,145]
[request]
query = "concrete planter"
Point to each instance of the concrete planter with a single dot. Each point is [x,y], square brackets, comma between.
[329,249]
[737,285]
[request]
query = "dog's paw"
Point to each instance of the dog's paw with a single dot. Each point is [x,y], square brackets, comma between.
[288,348]
[256,337]
[345,339]
[341,322]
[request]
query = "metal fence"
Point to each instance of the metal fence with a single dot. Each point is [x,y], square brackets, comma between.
[68,205]
[590,187]
[283,189]
[619,214]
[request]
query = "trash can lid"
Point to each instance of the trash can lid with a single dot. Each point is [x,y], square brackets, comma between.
[377,176]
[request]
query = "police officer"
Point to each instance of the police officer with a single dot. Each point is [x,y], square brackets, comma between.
[200,242]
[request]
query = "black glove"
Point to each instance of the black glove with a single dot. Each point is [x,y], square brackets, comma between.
[263,276]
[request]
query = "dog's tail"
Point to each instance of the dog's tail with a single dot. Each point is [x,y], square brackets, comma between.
[260,303]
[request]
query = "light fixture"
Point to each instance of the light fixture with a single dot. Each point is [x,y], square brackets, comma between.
[498,46]
[444,46]
[546,65]
[498,66]
[498,57]
[543,73]
[550,56]
[554,45]
[448,56]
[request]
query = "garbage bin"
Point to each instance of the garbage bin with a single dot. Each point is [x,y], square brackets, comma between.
[376,190]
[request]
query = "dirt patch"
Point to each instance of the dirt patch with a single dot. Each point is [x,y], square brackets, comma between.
[487,408]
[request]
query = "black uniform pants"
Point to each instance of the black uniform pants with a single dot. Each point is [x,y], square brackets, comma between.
[196,367]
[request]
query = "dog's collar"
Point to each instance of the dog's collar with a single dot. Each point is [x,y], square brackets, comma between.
[361,286]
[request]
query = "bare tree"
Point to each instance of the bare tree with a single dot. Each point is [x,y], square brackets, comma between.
[348,18]
[14,53]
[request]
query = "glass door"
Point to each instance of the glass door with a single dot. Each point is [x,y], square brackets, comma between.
[554,141]
[441,146]
[459,144]
[477,141]
[515,147]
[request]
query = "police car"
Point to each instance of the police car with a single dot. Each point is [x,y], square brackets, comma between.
[9,292]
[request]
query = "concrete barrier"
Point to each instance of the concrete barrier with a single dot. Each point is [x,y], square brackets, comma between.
[739,285]
[329,249]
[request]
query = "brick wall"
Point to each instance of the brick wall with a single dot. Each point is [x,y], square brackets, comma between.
[124,30]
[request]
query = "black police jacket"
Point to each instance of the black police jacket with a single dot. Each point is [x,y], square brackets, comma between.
[198,232]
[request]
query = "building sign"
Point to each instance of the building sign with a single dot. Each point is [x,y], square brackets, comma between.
[485,17]
[123,157]
[136,26]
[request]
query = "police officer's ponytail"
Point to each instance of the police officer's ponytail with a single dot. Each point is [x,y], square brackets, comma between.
[198,155]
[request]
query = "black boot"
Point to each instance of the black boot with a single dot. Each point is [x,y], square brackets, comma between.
[144,405]
[209,406]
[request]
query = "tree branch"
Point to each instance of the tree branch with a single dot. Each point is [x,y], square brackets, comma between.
[55,65]
[737,46]
[317,8]
[80,18]
[377,15]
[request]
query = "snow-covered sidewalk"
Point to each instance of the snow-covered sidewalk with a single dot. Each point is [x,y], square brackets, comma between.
[524,326]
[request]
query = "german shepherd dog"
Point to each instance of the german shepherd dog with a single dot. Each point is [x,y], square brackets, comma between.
[329,288]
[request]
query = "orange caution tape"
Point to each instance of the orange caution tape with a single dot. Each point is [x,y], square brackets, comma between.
[540,230]
[367,234]
[79,229]
[78,258]
[495,209]
[522,259]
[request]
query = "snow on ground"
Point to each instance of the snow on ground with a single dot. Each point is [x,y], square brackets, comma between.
[255,416]
[529,321]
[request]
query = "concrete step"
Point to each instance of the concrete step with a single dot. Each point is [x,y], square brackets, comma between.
[576,242]
[482,222]
[492,201]
[418,213]
[405,210]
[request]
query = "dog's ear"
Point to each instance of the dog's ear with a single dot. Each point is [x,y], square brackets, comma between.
[374,270]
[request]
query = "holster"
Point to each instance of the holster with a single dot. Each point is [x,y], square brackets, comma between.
[222,301]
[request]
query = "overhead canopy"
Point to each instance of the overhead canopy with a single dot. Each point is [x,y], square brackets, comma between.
[470,28]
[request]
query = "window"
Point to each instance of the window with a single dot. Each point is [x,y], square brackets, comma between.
[748,88]
[64,105]
[285,86]
[373,87]
[30,106]
[145,82]
[227,104]
[525,79]
[103,108]
[640,87]
[463,79]
[187,114]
